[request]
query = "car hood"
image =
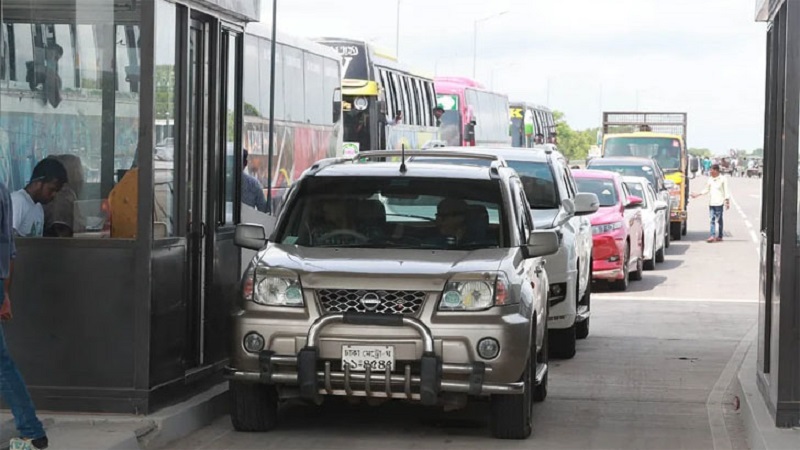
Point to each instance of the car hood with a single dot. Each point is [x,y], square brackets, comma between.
[350,268]
[544,218]
[606,214]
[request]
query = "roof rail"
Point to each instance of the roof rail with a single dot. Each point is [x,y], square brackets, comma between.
[427,153]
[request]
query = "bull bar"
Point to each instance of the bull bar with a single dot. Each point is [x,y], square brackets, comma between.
[314,383]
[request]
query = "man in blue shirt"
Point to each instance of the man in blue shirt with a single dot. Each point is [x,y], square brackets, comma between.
[252,192]
[12,387]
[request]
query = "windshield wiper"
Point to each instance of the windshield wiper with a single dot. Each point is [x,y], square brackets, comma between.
[410,216]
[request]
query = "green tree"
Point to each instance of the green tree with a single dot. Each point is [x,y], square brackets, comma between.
[574,144]
[700,152]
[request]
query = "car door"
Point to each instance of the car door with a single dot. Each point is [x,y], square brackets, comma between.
[633,216]
[582,227]
[660,217]
[534,285]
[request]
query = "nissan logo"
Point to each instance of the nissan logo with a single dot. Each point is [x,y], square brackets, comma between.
[371,301]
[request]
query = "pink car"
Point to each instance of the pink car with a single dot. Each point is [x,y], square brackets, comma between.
[617,230]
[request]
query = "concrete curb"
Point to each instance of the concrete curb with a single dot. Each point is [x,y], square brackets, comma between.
[762,434]
[127,432]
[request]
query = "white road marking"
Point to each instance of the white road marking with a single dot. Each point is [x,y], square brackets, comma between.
[642,298]
[748,224]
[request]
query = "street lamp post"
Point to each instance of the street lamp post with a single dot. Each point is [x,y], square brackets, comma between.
[475,40]
[397,33]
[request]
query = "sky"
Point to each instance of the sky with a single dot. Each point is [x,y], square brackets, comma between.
[581,57]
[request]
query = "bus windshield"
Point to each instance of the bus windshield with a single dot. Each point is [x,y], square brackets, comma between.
[356,128]
[450,129]
[667,151]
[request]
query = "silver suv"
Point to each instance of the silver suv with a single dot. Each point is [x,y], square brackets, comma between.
[392,280]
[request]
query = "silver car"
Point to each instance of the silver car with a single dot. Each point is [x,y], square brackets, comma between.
[391,280]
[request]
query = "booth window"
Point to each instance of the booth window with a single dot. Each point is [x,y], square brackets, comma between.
[165,169]
[64,95]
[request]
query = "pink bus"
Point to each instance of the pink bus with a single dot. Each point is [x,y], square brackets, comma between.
[473,115]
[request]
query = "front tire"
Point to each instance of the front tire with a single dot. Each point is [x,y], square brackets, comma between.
[650,264]
[562,343]
[511,416]
[675,230]
[254,407]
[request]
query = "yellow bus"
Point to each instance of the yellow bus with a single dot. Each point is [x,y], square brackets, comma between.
[385,105]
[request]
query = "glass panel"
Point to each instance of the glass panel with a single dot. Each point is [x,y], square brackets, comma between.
[313,90]
[166,172]
[332,81]
[65,99]
[228,162]
[293,84]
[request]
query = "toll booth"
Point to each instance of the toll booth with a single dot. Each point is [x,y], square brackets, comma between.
[778,342]
[141,100]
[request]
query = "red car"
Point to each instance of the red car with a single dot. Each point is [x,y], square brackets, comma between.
[617,231]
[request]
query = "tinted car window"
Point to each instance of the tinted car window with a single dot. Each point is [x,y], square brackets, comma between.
[538,183]
[605,190]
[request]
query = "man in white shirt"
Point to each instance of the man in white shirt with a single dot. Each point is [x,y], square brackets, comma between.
[720,196]
[47,179]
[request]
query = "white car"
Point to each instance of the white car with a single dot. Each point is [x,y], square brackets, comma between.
[652,219]
[555,205]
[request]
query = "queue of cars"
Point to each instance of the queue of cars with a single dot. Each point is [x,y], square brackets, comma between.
[442,277]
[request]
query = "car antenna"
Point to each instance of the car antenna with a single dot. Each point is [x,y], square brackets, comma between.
[403,168]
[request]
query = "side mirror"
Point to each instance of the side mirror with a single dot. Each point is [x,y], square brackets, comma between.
[542,243]
[569,206]
[250,236]
[661,205]
[586,203]
[634,202]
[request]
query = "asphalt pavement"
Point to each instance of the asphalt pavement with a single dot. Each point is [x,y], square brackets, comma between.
[655,372]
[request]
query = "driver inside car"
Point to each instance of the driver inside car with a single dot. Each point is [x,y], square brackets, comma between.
[333,225]
[451,215]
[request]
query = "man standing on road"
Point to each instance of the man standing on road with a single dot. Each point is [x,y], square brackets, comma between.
[12,387]
[720,196]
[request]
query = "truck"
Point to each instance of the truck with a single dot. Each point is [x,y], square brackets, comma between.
[662,137]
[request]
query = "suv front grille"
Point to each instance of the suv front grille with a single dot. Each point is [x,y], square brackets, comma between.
[380,302]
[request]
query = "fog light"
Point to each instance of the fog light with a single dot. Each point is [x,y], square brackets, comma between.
[253,342]
[488,348]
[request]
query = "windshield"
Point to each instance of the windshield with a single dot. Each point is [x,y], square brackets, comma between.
[395,212]
[638,190]
[667,151]
[537,178]
[626,170]
[605,190]
[450,128]
[356,128]
[517,132]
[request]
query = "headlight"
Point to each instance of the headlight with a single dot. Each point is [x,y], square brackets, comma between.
[476,292]
[271,287]
[361,103]
[606,227]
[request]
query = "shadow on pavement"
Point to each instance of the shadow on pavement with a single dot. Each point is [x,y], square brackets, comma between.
[338,415]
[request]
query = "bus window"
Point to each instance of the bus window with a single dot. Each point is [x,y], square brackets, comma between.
[293,84]
[331,82]
[314,99]
[21,44]
[252,78]
[3,51]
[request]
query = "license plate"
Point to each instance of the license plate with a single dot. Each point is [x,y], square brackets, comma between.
[376,357]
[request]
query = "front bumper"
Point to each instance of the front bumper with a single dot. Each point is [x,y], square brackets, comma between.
[563,313]
[609,254]
[311,370]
